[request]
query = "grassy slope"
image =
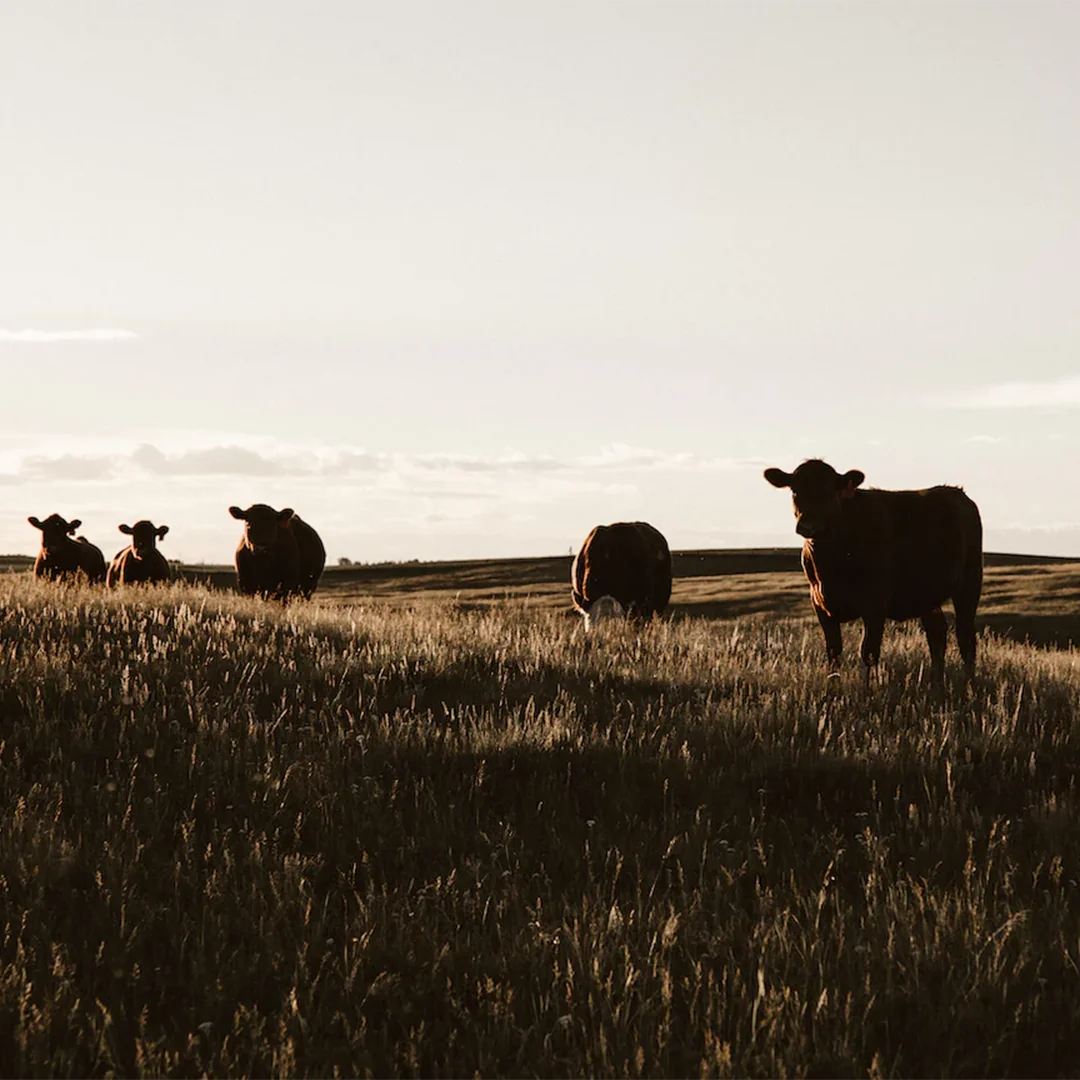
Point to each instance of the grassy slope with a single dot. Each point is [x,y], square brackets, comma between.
[1027,598]
[441,841]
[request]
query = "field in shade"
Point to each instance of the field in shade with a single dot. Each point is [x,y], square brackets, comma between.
[436,831]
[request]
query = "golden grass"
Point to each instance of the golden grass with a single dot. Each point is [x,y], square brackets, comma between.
[1023,597]
[415,839]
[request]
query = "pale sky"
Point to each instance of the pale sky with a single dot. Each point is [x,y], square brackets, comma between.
[466,279]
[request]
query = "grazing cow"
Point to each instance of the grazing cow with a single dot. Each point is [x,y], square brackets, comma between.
[279,555]
[61,556]
[140,562]
[622,571]
[886,554]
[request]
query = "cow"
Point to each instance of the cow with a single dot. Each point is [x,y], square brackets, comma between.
[874,554]
[622,571]
[61,556]
[279,554]
[140,562]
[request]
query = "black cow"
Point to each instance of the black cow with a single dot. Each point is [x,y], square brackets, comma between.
[621,570]
[279,555]
[140,562]
[61,556]
[875,554]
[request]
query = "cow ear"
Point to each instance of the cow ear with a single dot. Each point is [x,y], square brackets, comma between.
[162,530]
[125,529]
[778,478]
[285,516]
[35,522]
[237,513]
[73,525]
[849,482]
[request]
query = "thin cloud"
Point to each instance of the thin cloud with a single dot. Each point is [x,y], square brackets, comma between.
[355,461]
[517,476]
[66,467]
[212,461]
[48,336]
[1054,393]
[621,456]
[452,493]
[463,463]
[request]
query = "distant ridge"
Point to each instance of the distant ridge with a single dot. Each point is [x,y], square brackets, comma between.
[772,560]
[696,563]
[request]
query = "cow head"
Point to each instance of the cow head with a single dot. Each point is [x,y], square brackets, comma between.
[144,536]
[601,610]
[54,529]
[818,493]
[262,524]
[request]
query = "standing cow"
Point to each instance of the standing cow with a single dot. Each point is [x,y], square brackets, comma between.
[140,562]
[61,556]
[279,555]
[622,570]
[874,554]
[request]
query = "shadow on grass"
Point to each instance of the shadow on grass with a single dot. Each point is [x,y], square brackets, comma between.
[1043,631]
[764,813]
[455,867]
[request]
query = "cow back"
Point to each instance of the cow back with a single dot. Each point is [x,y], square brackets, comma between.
[127,568]
[69,559]
[897,553]
[629,561]
[311,555]
[91,560]
[936,548]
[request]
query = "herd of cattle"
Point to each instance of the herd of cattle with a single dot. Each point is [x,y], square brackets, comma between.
[279,555]
[868,554]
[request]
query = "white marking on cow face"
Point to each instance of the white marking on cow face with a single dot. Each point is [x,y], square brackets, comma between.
[602,609]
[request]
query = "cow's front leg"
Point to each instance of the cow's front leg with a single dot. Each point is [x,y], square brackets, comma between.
[934,625]
[873,631]
[834,639]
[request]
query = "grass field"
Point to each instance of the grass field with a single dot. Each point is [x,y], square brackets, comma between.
[1025,597]
[427,831]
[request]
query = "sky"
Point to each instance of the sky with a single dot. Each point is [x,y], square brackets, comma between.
[466,279]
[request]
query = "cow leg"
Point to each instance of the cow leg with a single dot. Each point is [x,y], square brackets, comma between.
[933,624]
[873,631]
[834,639]
[965,606]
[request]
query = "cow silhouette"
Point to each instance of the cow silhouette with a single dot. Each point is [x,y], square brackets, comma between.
[61,556]
[875,554]
[622,571]
[140,562]
[279,555]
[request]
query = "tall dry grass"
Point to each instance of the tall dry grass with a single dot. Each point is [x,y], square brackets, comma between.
[245,840]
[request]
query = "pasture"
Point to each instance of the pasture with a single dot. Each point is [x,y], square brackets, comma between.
[422,826]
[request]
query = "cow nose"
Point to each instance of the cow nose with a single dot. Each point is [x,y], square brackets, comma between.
[805,528]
